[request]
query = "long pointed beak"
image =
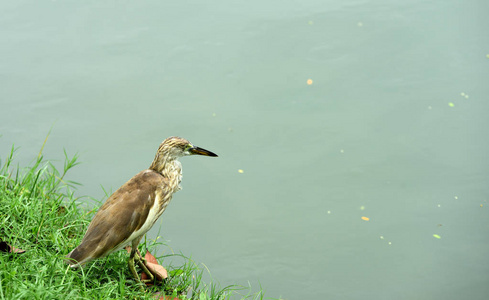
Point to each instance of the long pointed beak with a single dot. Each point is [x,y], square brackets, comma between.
[200,151]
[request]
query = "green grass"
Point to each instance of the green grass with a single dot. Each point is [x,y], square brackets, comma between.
[39,214]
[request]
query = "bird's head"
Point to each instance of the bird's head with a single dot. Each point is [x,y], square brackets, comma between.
[176,147]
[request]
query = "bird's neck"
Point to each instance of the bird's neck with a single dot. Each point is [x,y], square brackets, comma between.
[170,168]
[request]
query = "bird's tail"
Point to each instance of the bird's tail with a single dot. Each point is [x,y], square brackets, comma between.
[71,259]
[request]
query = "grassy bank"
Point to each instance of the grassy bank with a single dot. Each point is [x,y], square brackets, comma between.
[40,223]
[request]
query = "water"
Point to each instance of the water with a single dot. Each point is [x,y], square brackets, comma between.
[373,136]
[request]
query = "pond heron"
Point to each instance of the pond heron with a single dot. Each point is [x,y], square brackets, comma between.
[134,208]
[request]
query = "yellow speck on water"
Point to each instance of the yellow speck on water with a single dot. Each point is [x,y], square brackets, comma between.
[487,55]
[309,81]
[362,207]
[329,212]
[436,236]
[451,104]
[310,22]
[342,151]
[240,171]
[462,94]
[439,205]
[456,197]
[390,243]
[365,218]
[481,205]
[466,96]
[213,114]
[381,237]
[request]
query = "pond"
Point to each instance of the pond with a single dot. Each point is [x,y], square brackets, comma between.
[352,135]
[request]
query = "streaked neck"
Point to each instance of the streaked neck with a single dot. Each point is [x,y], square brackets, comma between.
[170,168]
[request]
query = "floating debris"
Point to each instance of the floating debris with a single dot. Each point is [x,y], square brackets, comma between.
[362,207]
[309,81]
[451,104]
[365,218]
[456,197]
[436,236]
[240,171]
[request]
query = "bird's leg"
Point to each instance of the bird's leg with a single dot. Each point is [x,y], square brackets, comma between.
[142,264]
[132,268]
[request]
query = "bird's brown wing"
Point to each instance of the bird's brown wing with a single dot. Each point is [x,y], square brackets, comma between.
[123,213]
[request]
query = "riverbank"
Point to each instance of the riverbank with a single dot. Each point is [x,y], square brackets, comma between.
[40,222]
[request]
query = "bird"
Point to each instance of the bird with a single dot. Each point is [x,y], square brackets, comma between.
[131,211]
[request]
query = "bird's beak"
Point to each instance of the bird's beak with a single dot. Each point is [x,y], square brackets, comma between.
[200,151]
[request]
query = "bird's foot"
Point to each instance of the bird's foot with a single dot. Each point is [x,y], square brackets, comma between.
[151,269]
[134,273]
[143,265]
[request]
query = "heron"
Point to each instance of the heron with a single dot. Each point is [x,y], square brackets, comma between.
[131,211]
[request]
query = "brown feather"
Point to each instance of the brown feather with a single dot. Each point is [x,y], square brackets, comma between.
[122,214]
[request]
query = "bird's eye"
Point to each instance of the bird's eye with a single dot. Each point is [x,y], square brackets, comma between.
[188,147]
